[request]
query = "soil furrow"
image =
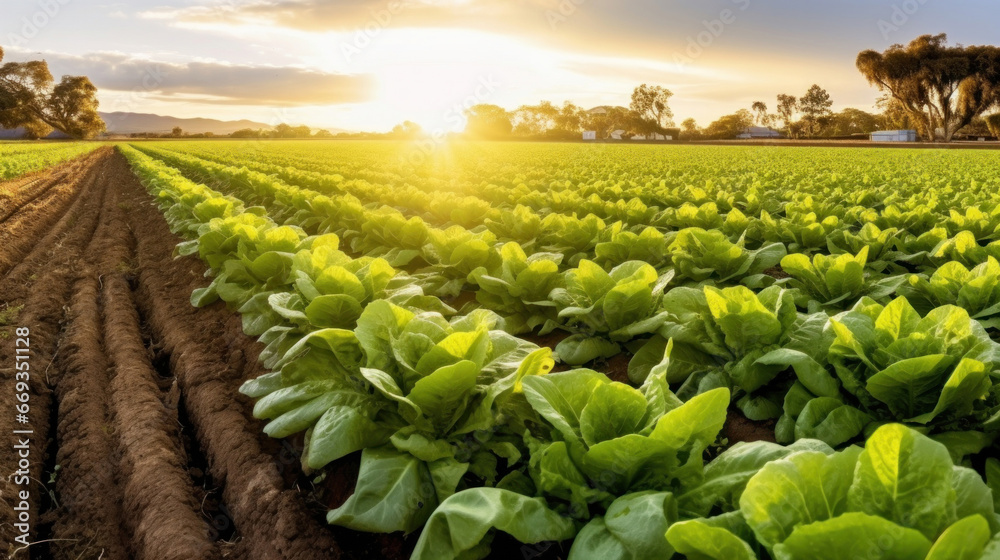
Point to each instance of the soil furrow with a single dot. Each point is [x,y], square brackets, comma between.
[88,265]
[37,288]
[159,497]
[210,358]
[89,518]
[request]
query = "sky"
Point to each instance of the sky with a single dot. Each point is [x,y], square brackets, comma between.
[370,64]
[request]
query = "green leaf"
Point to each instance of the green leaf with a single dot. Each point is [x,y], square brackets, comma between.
[911,387]
[333,311]
[581,349]
[698,540]
[905,477]
[633,528]
[444,394]
[561,397]
[964,540]
[614,410]
[831,421]
[853,535]
[798,490]
[460,526]
[395,492]
[342,430]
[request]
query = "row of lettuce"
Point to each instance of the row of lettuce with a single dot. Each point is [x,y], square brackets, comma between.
[906,234]
[670,189]
[18,159]
[463,429]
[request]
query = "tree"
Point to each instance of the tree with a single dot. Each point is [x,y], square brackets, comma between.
[787,107]
[850,122]
[606,120]
[302,131]
[487,121]
[893,115]
[993,122]
[323,133]
[650,103]
[247,133]
[534,120]
[761,116]
[177,132]
[814,105]
[568,121]
[730,126]
[406,129]
[690,130]
[30,98]
[943,88]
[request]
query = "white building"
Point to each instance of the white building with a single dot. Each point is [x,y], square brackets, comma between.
[894,136]
[758,132]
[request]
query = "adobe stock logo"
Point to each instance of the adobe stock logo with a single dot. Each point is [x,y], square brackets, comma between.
[901,15]
[700,42]
[32,25]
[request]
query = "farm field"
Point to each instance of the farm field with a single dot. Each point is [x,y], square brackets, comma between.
[280,349]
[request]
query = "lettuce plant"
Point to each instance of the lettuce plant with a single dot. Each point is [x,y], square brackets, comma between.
[984,226]
[737,339]
[835,281]
[701,255]
[429,402]
[976,290]
[882,245]
[250,256]
[574,237]
[649,246]
[605,308]
[521,224]
[935,248]
[390,235]
[799,232]
[330,290]
[518,289]
[454,254]
[937,371]
[607,469]
[901,497]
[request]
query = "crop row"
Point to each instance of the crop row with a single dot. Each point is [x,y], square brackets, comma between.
[464,430]
[19,159]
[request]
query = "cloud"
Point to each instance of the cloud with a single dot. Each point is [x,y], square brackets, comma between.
[349,15]
[214,82]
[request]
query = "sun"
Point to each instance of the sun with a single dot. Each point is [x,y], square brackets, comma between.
[433,75]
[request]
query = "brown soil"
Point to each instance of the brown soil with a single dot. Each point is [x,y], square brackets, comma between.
[777,273]
[134,392]
[739,428]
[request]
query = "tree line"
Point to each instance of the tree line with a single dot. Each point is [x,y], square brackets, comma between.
[941,91]
[648,113]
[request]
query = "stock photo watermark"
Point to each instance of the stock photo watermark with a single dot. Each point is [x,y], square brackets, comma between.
[713,29]
[901,15]
[31,26]
[363,37]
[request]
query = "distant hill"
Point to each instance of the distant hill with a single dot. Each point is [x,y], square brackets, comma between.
[128,123]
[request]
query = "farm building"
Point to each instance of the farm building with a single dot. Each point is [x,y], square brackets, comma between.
[758,132]
[894,136]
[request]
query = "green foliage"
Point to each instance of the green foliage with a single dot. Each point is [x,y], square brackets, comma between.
[604,308]
[737,339]
[349,262]
[899,497]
